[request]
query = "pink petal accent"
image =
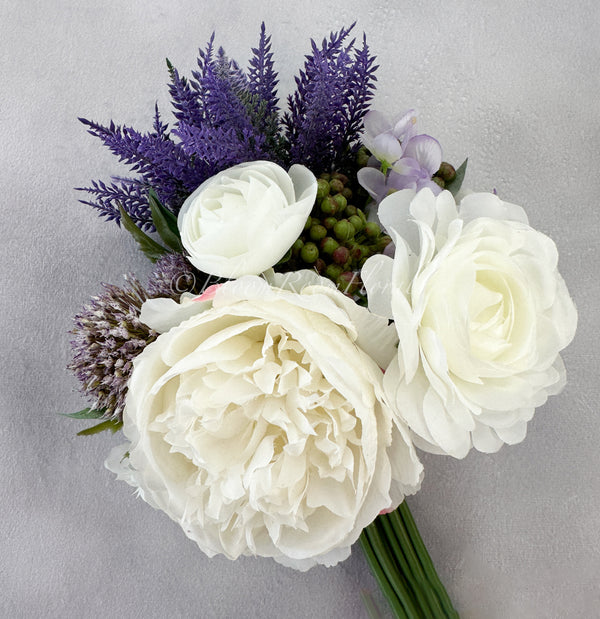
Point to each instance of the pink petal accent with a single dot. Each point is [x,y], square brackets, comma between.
[209,293]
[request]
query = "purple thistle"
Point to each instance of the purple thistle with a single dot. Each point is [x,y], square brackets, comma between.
[108,335]
[172,276]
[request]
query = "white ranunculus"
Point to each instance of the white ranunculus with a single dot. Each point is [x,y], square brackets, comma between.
[259,424]
[243,220]
[481,314]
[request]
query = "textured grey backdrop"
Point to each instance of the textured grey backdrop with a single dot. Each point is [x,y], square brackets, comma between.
[513,85]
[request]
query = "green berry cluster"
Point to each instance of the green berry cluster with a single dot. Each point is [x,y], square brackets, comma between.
[337,238]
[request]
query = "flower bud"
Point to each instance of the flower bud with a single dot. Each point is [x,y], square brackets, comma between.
[439,181]
[329,222]
[320,265]
[325,176]
[317,232]
[446,171]
[362,157]
[351,210]
[347,193]
[309,253]
[308,223]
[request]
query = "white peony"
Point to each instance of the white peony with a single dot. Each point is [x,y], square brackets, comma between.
[481,314]
[243,220]
[259,423]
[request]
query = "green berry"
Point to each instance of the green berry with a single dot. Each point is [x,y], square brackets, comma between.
[322,188]
[317,232]
[357,222]
[343,230]
[329,245]
[329,206]
[372,229]
[336,185]
[333,271]
[341,255]
[309,253]
[340,201]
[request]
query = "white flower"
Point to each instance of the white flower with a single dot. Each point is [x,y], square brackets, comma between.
[259,423]
[243,220]
[481,313]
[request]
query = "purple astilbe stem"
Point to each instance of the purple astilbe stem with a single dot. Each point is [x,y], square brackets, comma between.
[332,96]
[224,116]
[131,193]
[262,86]
[184,99]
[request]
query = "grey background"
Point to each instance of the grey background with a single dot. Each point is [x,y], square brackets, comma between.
[513,85]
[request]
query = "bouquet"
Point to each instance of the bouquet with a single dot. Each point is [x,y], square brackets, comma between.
[326,298]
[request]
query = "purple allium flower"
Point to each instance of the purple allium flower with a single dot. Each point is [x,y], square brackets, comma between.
[172,276]
[108,335]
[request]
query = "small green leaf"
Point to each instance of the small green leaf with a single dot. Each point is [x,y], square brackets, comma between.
[110,424]
[165,223]
[87,413]
[456,183]
[150,247]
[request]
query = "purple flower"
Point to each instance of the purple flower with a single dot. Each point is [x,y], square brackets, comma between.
[401,158]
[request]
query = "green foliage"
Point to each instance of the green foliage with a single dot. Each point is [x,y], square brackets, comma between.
[151,248]
[455,184]
[109,424]
[87,413]
[165,223]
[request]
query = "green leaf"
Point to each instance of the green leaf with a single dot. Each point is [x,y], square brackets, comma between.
[87,413]
[456,183]
[110,424]
[150,247]
[165,223]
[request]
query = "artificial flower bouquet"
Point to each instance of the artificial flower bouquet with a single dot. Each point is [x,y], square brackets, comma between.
[325,298]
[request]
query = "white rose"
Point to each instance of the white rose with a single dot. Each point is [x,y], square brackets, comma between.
[481,313]
[243,220]
[259,424]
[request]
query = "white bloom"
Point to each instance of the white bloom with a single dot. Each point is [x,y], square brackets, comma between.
[259,423]
[243,220]
[481,313]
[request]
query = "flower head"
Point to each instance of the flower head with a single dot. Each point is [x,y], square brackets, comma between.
[246,428]
[401,158]
[108,335]
[243,220]
[481,313]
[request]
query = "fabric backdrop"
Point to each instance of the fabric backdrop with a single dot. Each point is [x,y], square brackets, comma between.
[512,85]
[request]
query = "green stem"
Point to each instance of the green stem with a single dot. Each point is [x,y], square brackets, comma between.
[401,556]
[381,577]
[426,561]
[403,568]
